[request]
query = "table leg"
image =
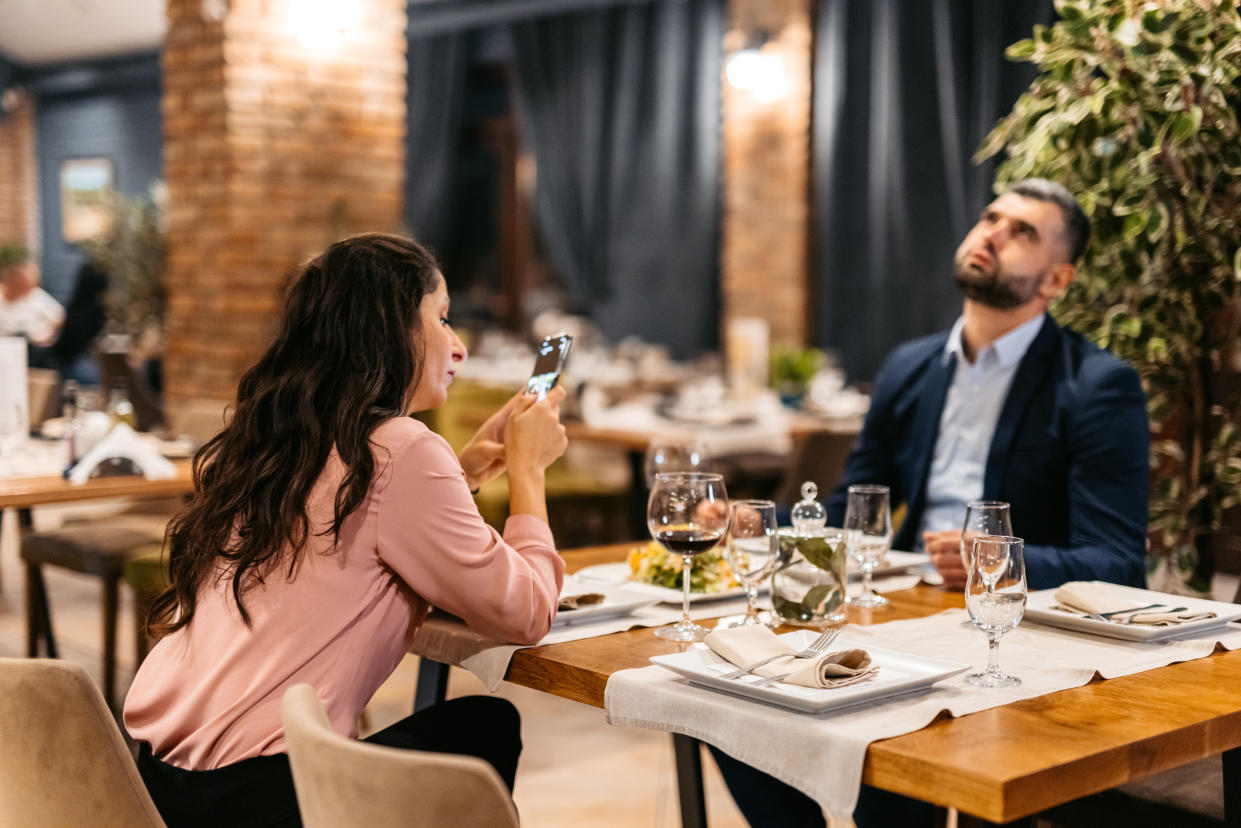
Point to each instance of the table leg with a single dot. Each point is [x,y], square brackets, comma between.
[637,494]
[432,686]
[1232,787]
[111,589]
[689,781]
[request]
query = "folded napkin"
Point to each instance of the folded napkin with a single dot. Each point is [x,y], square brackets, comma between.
[123,442]
[748,644]
[1093,596]
[585,599]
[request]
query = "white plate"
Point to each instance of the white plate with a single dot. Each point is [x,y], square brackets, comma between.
[618,574]
[898,673]
[618,600]
[1039,608]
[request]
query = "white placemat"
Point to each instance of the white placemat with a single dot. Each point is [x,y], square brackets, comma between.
[448,640]
[822,754]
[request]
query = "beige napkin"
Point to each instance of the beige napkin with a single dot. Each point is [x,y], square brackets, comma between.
[1093,596]
[746,645]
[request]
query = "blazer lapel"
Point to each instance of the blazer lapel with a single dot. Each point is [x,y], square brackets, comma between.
[930,408]
[1033,369]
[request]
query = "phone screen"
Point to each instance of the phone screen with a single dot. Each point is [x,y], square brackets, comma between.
[549,362]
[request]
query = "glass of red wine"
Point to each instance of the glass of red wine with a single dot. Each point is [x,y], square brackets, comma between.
[687,514]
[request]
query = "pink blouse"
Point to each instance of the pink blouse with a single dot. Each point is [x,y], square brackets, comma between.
[209,694]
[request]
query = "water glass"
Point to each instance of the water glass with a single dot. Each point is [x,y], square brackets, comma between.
[868,530]
[753,550]
[983,517]
[995,596]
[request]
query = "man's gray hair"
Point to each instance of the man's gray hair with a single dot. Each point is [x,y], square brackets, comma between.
[1076,225]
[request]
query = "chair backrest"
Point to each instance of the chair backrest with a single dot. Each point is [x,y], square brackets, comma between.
[820,457]
[62,759]
[342,782]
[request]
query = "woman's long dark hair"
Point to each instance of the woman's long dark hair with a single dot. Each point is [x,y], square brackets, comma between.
[346,358]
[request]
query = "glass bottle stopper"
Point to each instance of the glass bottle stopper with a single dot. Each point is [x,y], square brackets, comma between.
[808,515]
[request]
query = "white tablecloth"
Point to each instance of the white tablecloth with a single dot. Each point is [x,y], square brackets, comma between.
[822,754]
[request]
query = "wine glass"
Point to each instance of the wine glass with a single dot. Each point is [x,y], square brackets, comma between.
[995,596]
[753,550]
[673,455]
[868,529]
[688,514]
[983,517]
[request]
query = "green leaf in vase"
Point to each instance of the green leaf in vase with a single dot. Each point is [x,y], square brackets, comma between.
[821,553]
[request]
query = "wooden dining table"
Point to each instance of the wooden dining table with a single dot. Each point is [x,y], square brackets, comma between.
[997,765]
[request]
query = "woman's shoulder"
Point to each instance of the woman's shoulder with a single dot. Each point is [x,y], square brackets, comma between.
[401,435]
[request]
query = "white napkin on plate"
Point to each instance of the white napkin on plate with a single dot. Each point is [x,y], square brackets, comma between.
[748,644]
[1093,596]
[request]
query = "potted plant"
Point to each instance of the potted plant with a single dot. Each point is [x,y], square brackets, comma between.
[131,252]
[1136,110]
[792,369]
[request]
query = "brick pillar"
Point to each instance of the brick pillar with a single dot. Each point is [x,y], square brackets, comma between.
[18,197]
[277,141]
[764,262]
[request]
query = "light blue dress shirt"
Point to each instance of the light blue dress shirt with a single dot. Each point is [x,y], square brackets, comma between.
[971,411]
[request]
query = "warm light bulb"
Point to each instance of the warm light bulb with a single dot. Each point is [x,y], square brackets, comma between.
[744,68]
[320,24]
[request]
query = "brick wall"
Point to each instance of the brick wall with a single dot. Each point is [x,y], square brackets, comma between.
[764,260]
[273,148]
[18,207]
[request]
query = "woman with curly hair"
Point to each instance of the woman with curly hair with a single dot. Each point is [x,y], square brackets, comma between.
[324,524]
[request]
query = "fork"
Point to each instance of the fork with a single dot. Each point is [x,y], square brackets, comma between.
[816,648]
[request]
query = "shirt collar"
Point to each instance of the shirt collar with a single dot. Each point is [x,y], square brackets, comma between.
[1009,348]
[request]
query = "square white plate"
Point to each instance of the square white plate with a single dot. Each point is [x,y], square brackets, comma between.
[898,673]
[617,600]
[1039,608]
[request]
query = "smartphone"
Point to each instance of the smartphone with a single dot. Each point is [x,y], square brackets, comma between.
[549,362]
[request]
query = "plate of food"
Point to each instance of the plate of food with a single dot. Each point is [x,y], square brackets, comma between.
[657,573]
[583,601]
[653,569]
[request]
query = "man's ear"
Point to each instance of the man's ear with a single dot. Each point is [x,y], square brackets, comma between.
[1058,280]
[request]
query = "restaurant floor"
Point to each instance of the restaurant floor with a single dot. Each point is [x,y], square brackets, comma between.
[575,769]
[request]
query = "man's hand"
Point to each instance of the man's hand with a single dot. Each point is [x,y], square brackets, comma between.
[945,551]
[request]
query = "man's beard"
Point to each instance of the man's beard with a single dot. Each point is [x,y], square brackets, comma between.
[994,290]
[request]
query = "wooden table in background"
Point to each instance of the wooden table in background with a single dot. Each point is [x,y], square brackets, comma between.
[999,764]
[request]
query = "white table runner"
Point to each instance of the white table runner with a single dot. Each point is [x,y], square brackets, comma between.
[822,754]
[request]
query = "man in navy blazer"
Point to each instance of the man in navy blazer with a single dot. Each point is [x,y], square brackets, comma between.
[1005,406]
[1059,431]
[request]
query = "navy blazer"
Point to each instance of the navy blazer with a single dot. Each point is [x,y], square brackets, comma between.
[1070,454]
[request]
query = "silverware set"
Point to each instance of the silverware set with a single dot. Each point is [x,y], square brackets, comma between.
[1124,616]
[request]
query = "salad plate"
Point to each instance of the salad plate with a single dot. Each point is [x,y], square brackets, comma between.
[617,574]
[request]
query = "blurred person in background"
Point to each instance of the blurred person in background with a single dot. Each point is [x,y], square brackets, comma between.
[28,311]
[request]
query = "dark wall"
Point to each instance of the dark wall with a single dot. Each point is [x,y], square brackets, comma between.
[109,119]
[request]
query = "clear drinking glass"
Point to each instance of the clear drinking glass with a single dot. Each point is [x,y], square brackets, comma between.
[868,530]
[673,455]
[753,550]
[983,517]
[995,596]
[687,514]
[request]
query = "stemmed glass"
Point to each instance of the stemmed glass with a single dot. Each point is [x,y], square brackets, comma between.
[672,455]
[868,530]
[983,517]
[753,550]
[688,514]
[995,596]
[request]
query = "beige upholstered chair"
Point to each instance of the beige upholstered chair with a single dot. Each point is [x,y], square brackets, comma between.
[342,782]
[62,759]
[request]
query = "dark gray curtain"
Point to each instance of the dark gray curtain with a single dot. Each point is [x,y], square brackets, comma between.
[904,92]
[621,107]
[434,99]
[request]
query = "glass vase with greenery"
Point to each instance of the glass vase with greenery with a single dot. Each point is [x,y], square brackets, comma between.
[1135,109]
